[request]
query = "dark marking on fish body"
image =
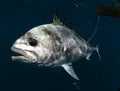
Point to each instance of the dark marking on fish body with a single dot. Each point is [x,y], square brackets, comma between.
[53,35]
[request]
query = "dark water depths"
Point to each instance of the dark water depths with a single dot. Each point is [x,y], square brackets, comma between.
[18,16]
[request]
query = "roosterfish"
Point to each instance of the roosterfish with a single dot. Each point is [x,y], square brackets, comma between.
[53,45]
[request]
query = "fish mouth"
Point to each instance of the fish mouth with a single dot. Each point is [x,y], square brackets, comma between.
[22,56]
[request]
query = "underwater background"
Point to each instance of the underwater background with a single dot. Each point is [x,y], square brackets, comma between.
[18,16]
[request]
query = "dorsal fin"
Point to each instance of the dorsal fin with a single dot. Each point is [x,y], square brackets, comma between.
[56,20]
[63,15]
[95,30]
[69,69]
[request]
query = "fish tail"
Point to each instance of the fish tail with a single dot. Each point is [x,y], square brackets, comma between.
[97,50]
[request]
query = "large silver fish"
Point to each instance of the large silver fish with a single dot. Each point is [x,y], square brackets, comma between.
[52,45]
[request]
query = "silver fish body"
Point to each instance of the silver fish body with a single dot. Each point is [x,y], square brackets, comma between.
[52,45]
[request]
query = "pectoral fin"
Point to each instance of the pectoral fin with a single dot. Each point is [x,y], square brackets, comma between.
[70,71]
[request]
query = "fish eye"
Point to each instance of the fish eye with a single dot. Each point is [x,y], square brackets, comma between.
[32,42]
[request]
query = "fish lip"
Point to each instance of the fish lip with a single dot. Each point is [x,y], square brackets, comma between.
[22,54]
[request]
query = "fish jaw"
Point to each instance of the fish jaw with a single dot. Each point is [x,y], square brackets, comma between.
[25,55]
[25,52]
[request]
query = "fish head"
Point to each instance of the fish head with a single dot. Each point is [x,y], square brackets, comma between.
[32,46]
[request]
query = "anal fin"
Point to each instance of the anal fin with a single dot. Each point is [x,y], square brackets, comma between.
[69,69]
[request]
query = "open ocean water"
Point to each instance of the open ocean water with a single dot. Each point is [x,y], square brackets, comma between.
[18,16]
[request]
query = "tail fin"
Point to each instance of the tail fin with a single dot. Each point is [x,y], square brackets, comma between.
[97,50]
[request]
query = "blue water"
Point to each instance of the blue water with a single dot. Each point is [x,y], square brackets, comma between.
[18,16]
